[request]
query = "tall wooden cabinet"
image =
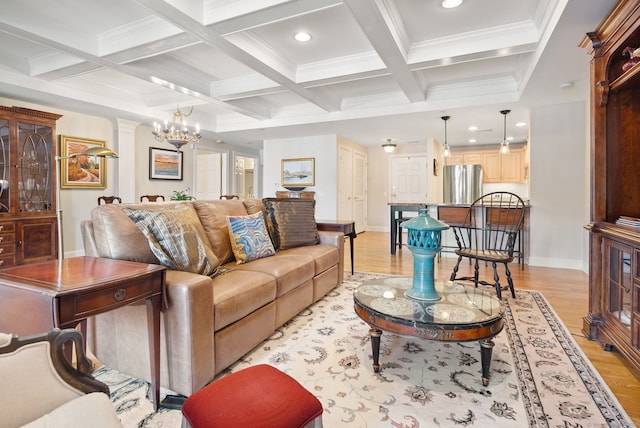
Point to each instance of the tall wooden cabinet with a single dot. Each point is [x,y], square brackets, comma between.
[614,283]
[27,186]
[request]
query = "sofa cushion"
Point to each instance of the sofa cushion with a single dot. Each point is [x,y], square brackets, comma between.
[117,237]
[323,256]
[249,237]
[289,270]
[254,205]
[177,238]
[213,216]
[291,222]
[238,293]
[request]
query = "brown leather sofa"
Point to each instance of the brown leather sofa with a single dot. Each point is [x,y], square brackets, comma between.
[208,323]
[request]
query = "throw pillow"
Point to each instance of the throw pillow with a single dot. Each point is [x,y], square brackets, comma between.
[291,222]
[176,237]
[249,237]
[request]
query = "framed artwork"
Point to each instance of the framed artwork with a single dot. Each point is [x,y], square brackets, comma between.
[165,164]
[81,171]
[298,172]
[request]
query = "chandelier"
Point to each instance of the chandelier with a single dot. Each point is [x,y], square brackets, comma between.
[176,133]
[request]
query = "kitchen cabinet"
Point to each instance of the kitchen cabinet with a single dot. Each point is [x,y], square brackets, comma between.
[464,159]
[614,249]
[496,167]
[27,186]
[502,168]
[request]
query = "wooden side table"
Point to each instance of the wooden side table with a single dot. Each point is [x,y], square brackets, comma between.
[39,296]
[305,194]
[347,227]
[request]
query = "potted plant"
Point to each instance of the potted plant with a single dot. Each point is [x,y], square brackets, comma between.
[181,195]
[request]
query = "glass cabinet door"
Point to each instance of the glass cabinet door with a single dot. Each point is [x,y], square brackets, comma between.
[620,283]
[35,159]
[5,163]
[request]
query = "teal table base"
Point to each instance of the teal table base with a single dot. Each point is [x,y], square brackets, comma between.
[423,287]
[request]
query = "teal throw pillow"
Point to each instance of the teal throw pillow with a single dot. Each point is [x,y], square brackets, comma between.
[249,237]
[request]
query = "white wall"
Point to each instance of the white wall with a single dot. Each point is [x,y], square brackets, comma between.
[559,169]
[324,148]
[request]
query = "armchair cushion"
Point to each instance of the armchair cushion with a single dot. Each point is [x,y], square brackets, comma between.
[94,409]
[249,237]
[177,238]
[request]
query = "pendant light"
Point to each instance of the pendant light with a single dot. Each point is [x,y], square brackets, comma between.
[446,150]
[389,147]
[504,146]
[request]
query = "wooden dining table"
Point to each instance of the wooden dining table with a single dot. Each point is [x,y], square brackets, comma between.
[395,212]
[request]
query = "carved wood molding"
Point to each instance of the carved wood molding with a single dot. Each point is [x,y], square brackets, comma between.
[602,89]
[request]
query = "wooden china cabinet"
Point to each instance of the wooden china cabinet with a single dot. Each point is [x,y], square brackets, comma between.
[27,186]
[614,284]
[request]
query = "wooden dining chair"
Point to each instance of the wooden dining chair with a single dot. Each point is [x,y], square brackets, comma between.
[152,198]
[109,200]
[489,233]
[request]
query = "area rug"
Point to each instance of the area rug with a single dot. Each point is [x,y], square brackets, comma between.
[539,376]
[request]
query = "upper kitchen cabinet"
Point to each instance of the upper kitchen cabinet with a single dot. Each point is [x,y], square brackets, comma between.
[496,167]
[502,168]
[464,159]
[27,186]
[614,269]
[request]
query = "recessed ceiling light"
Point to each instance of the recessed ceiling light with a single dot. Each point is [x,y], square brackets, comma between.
[302,36]
[520,124]
[473,140]
[449,4]
[473,128]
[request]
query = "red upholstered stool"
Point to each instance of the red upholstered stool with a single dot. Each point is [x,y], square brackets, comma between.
[259,396]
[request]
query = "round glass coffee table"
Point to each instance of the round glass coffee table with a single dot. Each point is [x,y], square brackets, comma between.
[464,313]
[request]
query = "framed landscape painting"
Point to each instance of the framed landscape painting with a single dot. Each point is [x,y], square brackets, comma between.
[298,172]
[165,164]
[81,171]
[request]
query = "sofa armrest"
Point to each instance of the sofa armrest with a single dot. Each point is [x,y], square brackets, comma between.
[189,323]
[88,239]
[335,239]
[187,360]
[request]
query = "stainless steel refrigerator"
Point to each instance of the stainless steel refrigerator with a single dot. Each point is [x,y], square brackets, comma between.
[462,183]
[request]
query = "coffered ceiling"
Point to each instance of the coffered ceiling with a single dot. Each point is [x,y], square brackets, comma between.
[373,69]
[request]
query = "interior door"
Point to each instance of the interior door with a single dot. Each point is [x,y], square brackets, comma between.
[360,191]
[408,176]
[345,183]
[209,175]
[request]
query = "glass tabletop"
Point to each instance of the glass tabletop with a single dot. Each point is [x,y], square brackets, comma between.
[460,304]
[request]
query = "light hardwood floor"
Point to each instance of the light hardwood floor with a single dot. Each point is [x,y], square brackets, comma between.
[565,289]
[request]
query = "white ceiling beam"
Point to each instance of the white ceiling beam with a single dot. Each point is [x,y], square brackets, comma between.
[140,74]
[274,71]
[378,26]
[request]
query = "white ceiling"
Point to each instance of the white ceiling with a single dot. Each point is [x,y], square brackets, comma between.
[374,69]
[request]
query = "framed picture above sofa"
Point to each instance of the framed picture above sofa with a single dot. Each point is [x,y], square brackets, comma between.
[298,173]
[165,164]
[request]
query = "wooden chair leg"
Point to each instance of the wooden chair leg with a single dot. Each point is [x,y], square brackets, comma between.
[476,274]
[455,269]
[510,280]
[496,280]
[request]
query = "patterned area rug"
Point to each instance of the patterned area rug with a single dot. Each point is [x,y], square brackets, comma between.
[545,382]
